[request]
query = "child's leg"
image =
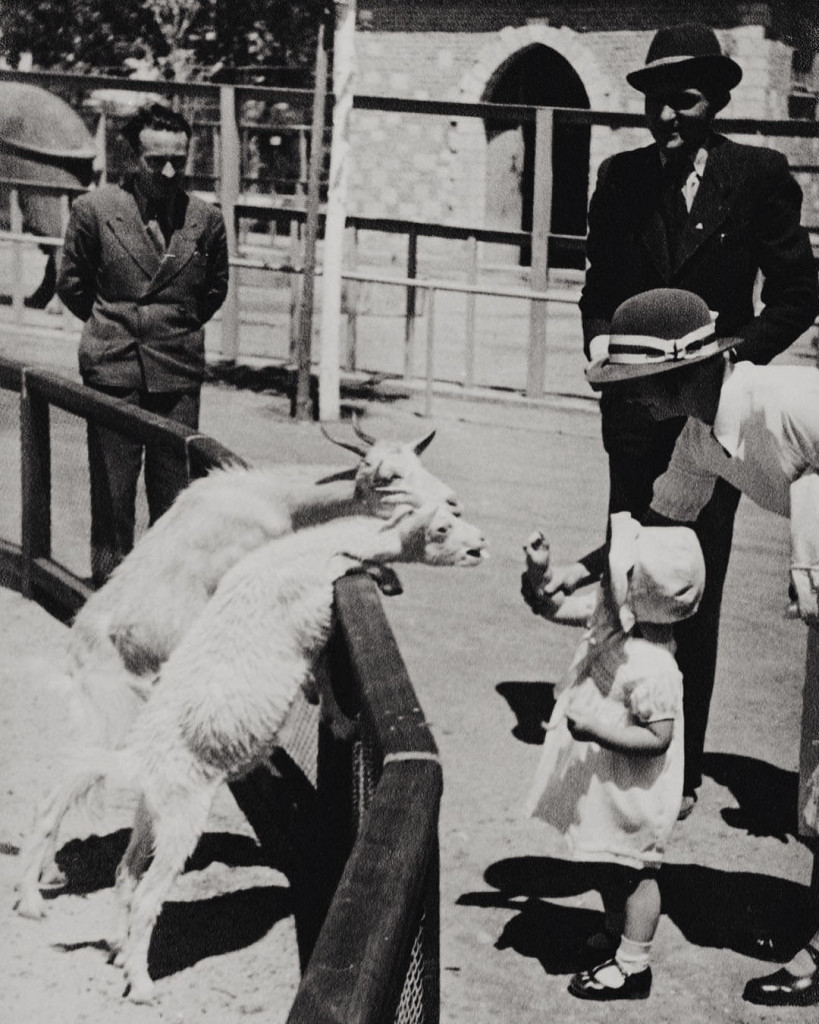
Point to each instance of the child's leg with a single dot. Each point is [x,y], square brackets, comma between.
[627,975]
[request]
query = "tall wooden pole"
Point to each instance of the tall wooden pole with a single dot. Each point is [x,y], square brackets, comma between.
[303,405]
[343,84]
[539,276]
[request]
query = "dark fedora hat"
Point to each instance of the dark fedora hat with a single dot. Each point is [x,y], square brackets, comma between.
[686,55]
[653,332]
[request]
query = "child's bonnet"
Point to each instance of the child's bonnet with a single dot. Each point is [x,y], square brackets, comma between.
[657,573]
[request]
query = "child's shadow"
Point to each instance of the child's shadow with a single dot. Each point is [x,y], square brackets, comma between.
[532,705]
[731,910]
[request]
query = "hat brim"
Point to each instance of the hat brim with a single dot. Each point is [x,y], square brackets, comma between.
[605,372]
[713,69]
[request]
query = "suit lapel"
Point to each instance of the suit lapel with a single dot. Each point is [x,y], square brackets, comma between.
[652,234]
[127,227]
[712,203]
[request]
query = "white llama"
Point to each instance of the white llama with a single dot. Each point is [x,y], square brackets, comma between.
[226,689]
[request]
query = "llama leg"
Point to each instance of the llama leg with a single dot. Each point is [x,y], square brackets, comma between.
[38,849]
[129,871]
[177,828]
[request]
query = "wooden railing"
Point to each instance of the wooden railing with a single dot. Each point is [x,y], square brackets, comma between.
[377,797]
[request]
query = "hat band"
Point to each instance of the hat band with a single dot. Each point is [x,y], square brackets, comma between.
[640,348]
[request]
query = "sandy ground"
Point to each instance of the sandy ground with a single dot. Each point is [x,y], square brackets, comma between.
[513,910]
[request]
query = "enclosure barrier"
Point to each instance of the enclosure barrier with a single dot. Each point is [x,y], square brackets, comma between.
[229,180]
[372,953]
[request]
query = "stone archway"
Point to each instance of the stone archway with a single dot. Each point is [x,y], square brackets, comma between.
[538,66]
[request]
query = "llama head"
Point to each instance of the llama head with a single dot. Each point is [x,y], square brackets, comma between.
[435,535]
[390,474]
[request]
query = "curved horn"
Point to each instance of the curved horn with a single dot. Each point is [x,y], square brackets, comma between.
[361,452]
[360,433]
[423,444]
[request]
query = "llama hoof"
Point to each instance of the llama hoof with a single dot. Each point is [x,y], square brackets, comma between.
[31,905]
[141,991]
[115,957]
[53,878]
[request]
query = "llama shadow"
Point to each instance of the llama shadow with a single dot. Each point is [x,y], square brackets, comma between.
[767,796]
[90,864]
[188,932]
[752,914]
[194,930]
[532,705]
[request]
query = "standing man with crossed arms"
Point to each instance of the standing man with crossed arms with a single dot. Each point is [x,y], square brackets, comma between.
[145,266]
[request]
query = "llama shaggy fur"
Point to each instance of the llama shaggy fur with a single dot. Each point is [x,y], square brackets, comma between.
[126,630]
[227,687]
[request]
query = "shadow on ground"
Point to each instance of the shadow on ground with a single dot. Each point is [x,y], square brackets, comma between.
[531,703]
[90,864]
[188,931]
[282,381]
[753,914]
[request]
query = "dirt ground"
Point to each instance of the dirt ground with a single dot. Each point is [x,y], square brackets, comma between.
[513,910]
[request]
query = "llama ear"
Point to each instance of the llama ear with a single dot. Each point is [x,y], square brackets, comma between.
[343,474]
[355,448]
[366,438]
[424,443]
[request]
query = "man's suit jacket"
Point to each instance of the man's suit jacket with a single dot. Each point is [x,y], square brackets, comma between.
[745,218]
[144,311]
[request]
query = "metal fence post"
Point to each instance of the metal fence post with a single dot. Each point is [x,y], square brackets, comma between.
[471,301]
[541,224]
[16,222]
[35,475]
[430,351]
[409,325]
[229,190]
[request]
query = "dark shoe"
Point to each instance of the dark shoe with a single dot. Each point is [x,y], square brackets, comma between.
[585,984]
[784,989]
[689,802]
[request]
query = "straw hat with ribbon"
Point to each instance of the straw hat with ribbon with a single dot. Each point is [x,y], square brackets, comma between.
[656,573]
[653,332]
[687,55]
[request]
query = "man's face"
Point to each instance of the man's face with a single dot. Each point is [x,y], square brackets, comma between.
[656,393]
[162,159]
[679,119]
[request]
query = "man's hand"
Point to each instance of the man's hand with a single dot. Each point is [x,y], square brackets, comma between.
[806,584]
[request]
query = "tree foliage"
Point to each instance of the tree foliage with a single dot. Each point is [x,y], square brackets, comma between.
[177,39]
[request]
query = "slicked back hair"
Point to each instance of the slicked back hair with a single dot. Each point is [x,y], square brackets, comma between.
[156,116]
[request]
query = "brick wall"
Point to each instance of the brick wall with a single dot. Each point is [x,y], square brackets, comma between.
[434,169]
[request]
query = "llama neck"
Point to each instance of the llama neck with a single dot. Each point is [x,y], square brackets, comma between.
[322,502]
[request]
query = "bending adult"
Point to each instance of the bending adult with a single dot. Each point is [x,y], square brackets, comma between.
[757,428]
[145,265]
[695,211]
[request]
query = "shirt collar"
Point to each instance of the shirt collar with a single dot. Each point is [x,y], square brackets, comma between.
[698,162]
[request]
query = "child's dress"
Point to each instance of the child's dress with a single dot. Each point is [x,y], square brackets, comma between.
[613,806]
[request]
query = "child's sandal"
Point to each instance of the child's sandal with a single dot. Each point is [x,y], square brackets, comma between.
[587,984]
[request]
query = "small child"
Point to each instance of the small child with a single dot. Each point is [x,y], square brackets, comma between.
[611,773]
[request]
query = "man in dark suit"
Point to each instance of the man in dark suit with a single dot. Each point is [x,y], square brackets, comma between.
[145,265]
[698,212]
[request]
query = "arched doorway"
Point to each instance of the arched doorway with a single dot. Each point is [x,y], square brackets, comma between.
[538,76]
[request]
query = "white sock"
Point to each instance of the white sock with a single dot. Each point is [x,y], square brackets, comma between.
[802,965]
[632,957]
